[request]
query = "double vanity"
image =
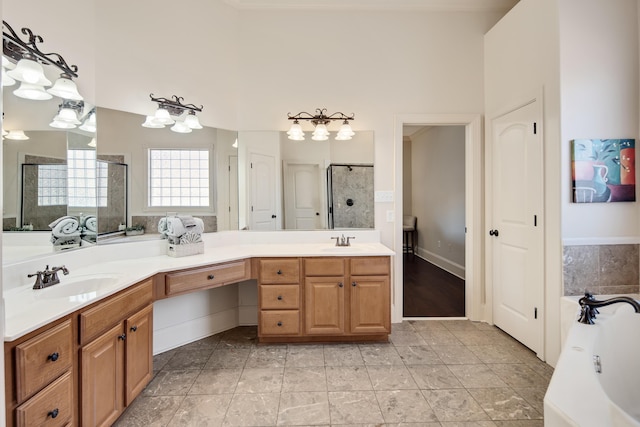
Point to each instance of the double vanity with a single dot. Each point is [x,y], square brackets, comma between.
[79,352]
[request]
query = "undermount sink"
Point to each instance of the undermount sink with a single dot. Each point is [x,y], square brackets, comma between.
[81,287]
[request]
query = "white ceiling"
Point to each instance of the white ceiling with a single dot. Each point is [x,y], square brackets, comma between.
[431,5]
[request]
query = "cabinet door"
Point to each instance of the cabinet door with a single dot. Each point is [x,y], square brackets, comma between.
[369,308]
[139,353]
[324,305]
[102,373]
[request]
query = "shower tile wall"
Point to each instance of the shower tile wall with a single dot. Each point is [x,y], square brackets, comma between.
[354,183]
[601,269]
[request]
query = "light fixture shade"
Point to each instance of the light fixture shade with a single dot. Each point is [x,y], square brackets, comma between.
[16,135]
[66,89]
[320,133]
[162,116]
[296,133]
[89,124]
[5,133]
[32,91]
[181,127]
[345,133]
[150,122]
[29,71]
[58,124]
[67,115]
[6,63]
[6,79]
[192,121]
[93,143]
[235,143]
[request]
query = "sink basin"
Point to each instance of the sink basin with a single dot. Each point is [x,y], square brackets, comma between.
[79,288]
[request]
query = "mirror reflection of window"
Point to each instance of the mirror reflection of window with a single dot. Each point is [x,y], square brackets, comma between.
[52,185]
[81,178]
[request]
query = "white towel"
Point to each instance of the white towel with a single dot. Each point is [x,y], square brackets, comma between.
[66,226]
[176,227]
[91,223]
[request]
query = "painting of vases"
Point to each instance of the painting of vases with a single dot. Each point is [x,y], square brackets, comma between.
[603,170]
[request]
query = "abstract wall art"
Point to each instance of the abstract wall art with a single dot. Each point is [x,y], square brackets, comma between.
[603,170]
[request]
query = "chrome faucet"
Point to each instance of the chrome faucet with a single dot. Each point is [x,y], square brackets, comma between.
[589,306]
[48,277]
[343,241]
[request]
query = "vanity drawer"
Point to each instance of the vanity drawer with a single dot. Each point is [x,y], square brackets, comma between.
[42,359]
[204,278]
[324,266]
[56,399]
[279,270]
[279,296]
[104,315]
[279,322]
[367,266]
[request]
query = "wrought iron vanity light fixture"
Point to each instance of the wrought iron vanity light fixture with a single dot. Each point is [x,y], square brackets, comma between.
[320,121]
[28,69]
[173,107]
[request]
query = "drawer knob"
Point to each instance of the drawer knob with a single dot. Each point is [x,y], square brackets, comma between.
[354,284]
[133,328]
[53,413]
[279,323]
[122,337]
[211,277]
[279,297]
[340,284]
[53,356]
[279,272]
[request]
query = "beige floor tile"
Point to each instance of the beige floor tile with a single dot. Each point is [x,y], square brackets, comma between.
[208,410]
[259,409]
[342,355]
[454,405]
[418,355]
[354,407]
[304,408]
[228,357]
[476,376]
[150,411]
[456,355]
[192,359]
[404,406]
[305,355]
[311,378]
[216,381]
[348,378]
[171,383]
[434,377]
[504,404]
[260,380]
[391,377]
[380,354]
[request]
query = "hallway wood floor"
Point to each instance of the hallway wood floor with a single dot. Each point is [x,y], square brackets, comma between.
[429,291]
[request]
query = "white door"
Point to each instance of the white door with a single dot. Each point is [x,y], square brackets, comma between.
[302,202]
[233,193]
[517,232]
[263,192]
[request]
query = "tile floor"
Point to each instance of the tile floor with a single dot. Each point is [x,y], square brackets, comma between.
[452,373]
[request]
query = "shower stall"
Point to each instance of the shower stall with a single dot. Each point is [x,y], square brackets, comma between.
[350,195]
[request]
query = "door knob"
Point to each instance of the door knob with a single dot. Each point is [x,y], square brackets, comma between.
[273,216]
[493,233]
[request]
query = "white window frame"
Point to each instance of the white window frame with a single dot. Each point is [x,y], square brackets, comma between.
[209,210]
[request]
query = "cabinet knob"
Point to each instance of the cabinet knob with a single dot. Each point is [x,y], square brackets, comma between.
[279,297]
[211,277]
[53,356]
[279,272]
[122,337]
[340,285]
[354,284]
[279,323]
[133,328]
[53,413]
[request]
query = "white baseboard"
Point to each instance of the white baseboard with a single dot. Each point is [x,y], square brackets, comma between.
[445,264]
[184,333]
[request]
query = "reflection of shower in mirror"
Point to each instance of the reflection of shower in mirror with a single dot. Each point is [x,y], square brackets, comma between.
[350,195]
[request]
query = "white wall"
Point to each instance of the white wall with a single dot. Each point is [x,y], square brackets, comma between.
[438,175]
[599,83]
[407,184]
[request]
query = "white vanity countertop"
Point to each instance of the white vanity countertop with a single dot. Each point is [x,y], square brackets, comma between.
[26,309]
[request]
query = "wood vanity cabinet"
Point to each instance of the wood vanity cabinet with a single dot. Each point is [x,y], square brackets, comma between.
[39,375]
[323,299]
[196,279]
[279,297]
[347,296]
[116,354]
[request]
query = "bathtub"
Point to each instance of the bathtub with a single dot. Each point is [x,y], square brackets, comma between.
[577,394]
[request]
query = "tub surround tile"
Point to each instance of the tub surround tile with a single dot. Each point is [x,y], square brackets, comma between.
[601,269]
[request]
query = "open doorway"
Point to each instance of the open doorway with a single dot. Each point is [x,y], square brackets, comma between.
[433,221]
